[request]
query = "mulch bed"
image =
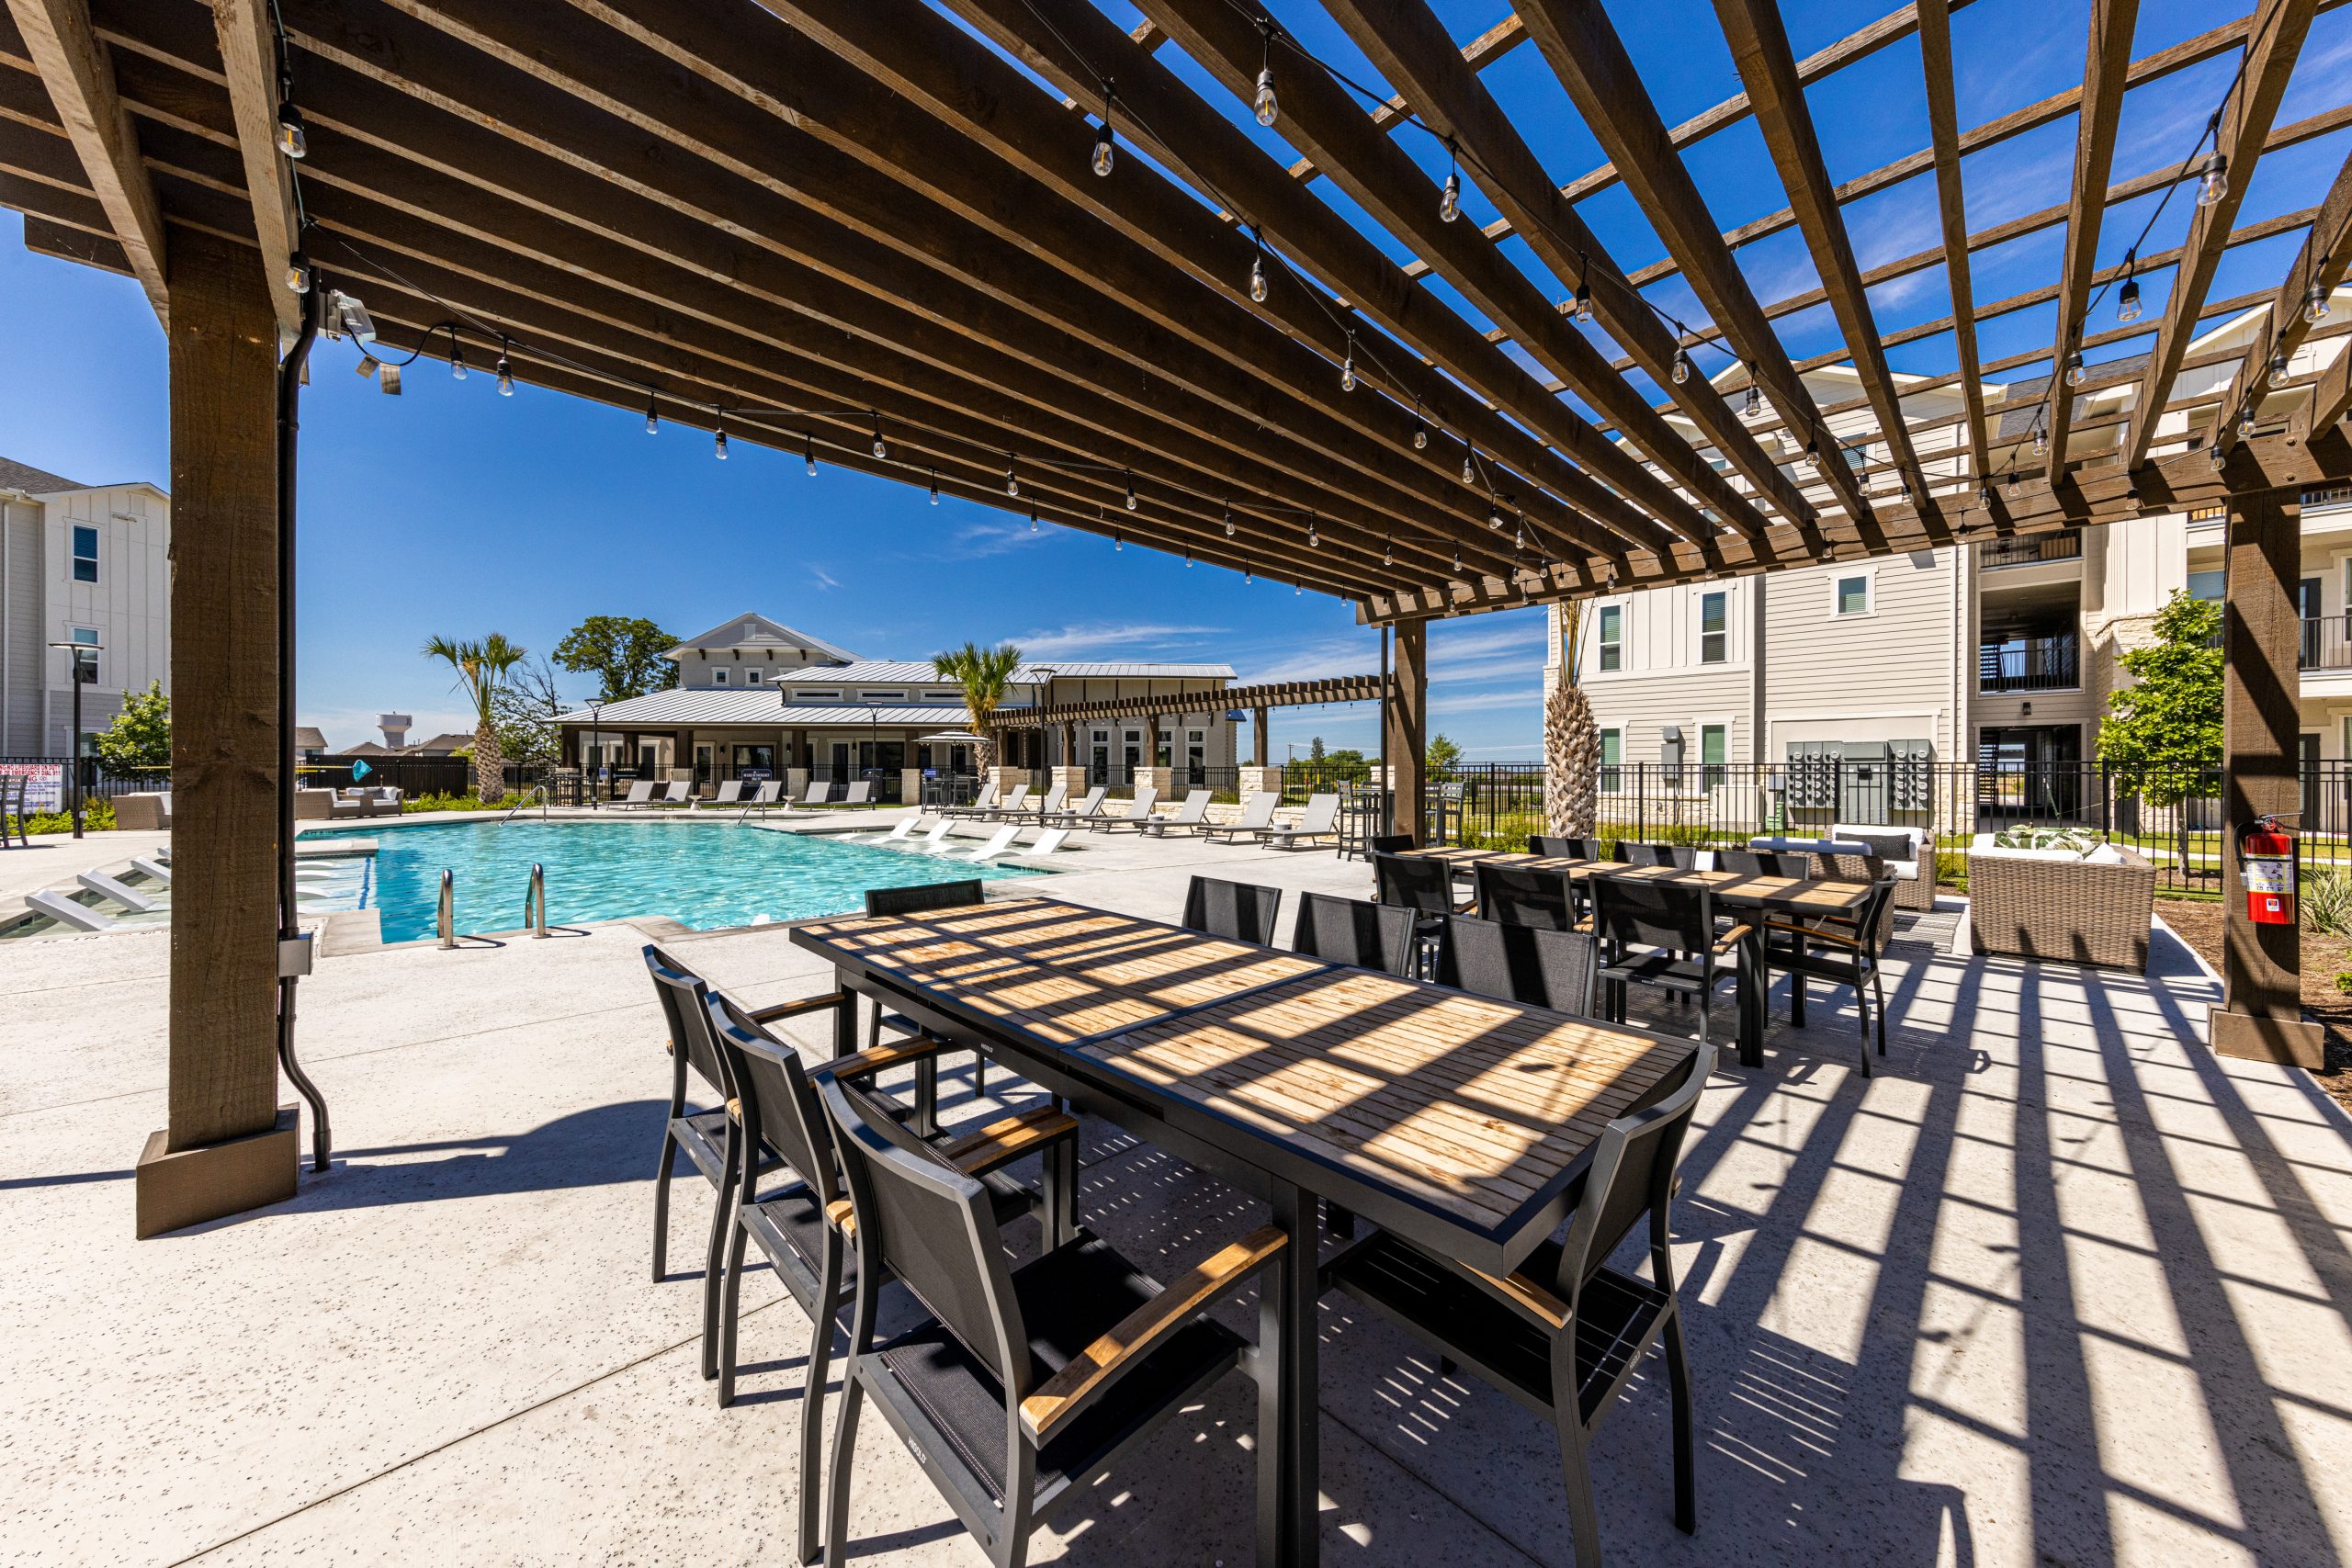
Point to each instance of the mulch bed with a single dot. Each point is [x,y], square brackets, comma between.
[2198,923]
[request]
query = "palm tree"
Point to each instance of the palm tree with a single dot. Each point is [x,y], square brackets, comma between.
[1571,737]
[983,673]
[482,669]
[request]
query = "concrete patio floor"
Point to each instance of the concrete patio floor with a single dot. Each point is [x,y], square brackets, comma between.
[2056,1287]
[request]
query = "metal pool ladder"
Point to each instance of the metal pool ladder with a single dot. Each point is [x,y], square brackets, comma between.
[525,804]
[535,901]
[446,918]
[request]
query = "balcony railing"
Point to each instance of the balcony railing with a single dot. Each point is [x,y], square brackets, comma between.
[2028,550]
[2327,643]
[2035,664]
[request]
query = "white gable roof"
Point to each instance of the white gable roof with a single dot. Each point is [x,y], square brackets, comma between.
[750,629]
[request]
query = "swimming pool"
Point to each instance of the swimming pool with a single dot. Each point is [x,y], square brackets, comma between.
[702,874]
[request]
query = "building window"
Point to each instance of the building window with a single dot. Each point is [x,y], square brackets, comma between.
[87,637]
[1613,637]
[1714,750]
[883,696]
[1852,596]
[85,554]
[2210,586]
[751,677]
[1714,638]
[816,696]
[1612,757]
[718,677]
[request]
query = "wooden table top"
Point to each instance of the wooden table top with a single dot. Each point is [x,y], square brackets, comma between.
[1475,1107]
[1728,887]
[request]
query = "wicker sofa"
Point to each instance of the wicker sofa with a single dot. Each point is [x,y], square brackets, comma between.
[2056,903]
[1900,850]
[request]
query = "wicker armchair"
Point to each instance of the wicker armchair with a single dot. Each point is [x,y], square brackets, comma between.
[2076,910]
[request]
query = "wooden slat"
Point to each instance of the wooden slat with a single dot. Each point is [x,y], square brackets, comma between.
[2109,56]
[2320,264]
[248,58]
[1951,210]
[2280,27]
[78,73]
[1289,693]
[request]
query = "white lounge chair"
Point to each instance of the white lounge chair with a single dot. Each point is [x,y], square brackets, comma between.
[639,797]
[933,841]
[1189,819]
[1049,841]
[1136,814]
[155,868]
[1088,808]
[1320,820]
[674,793]
[904,830]
[860,794]
[996,846]
[1057,799]
[1013,805]
[730,793]
[765,796]
[981,805]
[114,892]
[1257,816]
[63,910]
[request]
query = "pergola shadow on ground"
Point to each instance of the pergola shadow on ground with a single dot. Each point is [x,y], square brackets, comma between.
[2054,1285]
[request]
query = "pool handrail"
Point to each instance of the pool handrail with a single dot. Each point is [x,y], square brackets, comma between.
[523,805]
[535,901]
[445,918]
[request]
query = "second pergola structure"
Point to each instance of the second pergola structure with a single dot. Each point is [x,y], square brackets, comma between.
[914,239]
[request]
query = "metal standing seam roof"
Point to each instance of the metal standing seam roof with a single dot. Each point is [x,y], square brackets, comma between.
[920,671]
[754,705]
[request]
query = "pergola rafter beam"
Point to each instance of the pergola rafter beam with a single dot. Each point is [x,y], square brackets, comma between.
[249,66]
[1952,212]
[2107,58]
[2318,267]
[79,75]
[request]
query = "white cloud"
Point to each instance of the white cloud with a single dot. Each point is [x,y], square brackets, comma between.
[991,539]
[1088,637]
[1530,698]
[822,579]
[1315,662]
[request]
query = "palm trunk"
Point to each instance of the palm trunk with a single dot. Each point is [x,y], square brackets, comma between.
[490,767]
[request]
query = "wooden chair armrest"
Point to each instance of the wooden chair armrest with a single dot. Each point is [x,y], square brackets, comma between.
[805,1005]
[1520,1292]
[889,1053]
[1062,1396]
[842,1218]
[1724,942]
[1000,1142]
[1815,934]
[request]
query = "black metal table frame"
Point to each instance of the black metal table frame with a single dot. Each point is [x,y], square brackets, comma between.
[1288,1178]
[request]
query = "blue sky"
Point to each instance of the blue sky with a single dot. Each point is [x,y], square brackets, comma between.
[449,510]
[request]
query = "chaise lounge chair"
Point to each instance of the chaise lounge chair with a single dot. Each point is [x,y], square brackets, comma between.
[997,845]
[730,793]
[980,806]
[1013,805]
[899,834]
[1135,817]
[1088,808]
[860,794]
[1320,820]
[639,797]
[762,799]
[1257,816]
[1189,819]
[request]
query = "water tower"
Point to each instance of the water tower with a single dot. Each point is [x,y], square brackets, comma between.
[395,726]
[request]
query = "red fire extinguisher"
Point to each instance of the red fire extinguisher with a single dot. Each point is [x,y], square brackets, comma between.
[2267,868]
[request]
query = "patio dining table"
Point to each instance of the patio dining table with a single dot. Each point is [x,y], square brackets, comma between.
[1735,891]
[1462,1123]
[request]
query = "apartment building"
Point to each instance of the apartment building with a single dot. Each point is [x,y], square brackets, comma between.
[79,564]
[2005,652]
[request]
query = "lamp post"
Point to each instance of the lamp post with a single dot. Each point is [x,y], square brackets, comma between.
[85,672]
[594,778]
[1039,679]
[873,742]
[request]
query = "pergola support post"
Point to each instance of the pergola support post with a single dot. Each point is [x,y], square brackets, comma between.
[1406,719]
[1264,728]
[228,1145]
[2261,1014]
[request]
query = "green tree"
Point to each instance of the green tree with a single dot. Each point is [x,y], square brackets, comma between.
[1444,756]
[2168,722]
[141,736]
[1571,735]
[525,709]
[982,674]
[1315,749]
[482,668]
[623,652]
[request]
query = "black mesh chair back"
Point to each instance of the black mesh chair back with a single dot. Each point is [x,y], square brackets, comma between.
[1564,849]
[776,1103]
[1525,895]
[932,1228]
[1349,930]
[1632,1175]
[1628,913]
[1411,883]
[1680,856]
[1239,911]
[925,895]
[1541,967]
[1389,843]
[1763,862]
[686,1009]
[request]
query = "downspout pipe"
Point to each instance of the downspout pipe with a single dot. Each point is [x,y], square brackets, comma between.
[289,397]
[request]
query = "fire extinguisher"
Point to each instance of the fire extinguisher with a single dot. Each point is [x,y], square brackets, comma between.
[2266,869]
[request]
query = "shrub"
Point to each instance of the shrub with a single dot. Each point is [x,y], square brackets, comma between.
[97,816]
[2328,901]
[2082,841]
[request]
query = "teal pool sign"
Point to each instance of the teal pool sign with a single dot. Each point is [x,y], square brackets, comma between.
[359,771]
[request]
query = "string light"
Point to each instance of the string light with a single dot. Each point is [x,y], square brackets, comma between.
[2245,422]
[2040,441]
[1469,458]
[293,135]
[1032,517]
[1296,589]
[1581,306]
[298,276]
[1348,369]
[2278,367]
[1906,486]
[367,365]
[1258,268]
[1449,206]
[1985,494]
[808,453]
[2316,303]
[1011,485]
[1188,558]
[1118,543]
[1682,367]
[1268,110]
[1103,153]
[2215,456]
[2075,371]
[1245,574]
[1388,552]
[1131,489]
[456,356]
[2213,182]
[1754,405]
[934,486]
[718,437]
[506,372]
[652,417]
[389,381]
[1811,455]
[879,449]
[1457,561]
[2127,298]
[1313,542]
[1421,428]
[1228,520]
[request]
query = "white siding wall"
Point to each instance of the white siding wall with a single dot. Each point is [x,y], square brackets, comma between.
[1661,679]
[129,606]
[1884,675]
[23,629]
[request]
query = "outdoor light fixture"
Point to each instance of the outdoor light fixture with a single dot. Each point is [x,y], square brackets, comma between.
[2316,303]
[1103,153]
[1582,309]
[2215,456]
[1131,489]
[934,486]
[652,417]
[298,279]
[1388,552]
[389,379]
[2245,422]
[1245,574]
[2278,367]
[719,438]
[1032,517]
[1683,365]
[1268,109]
[367,365]
[880,450]
[2213,183]
[1258,269]
[506,374]
[2040,441]
[1313,541]
[2074,369]
[1754,405]
[1011,485]
[808,453]
[456,356]
[1449,206]
[1906,486]
[1188,558]
[1812,455]
[1228,520]
[1457,561]
[1116,542]
[1296,589]
[1985,494]
[293,139]
[1421,433]
[1469,458]
[2127,301]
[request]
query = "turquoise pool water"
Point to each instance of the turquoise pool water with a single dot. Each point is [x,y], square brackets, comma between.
[704,875]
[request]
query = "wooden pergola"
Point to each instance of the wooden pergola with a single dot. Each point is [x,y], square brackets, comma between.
[872,234]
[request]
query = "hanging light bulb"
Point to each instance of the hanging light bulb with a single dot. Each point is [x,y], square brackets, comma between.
[297,277]
[367,365]
[1245,575]
[1457,561]
[2013,484]
[1754,405]
[2316,303]
[1116,542]
[1494,513]
[1683,365]
[2213,181]
[1296,589]
[1258,269]
[2215,456]
[2075,371]
[934,486]
[2245,422]
[1032,517]
[652,417]
[2127,300]
[1388,552]
[1469,458]
[1348,368]
[1421,433]
[1449,206]
[505,376]
[1011,485]
[1228,520]
[2278,369]
[1103,153]
[1906,486]
[1264,102]
[1985,494]
[293,137]
[808,453]
[2041,441]
[880,450]
[456,356]
[1811,455]
[1519,535]
[1582,309]
[718,439]
[389,381]
[1313,541]
[1131,489]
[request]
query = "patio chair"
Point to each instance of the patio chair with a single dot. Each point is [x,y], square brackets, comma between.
[979,806]
[860,793]
[1089,805]
[1763,862]
[913,900]
[1682,857]
[1319,821]
[899,834]
[1237,912]
[1526,895]
[1564,849]
[1044,844]
[1353,931]
[1189,818]
[1013,805]
[998,843]
[1659,935]
[1539,965]
[1057,801]
[1423,887]
[1031,1381]
[1844,951]
[1564,1333]
[763,794]
[1257,816]
[778,1114]
[730,793]
[1138,813]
